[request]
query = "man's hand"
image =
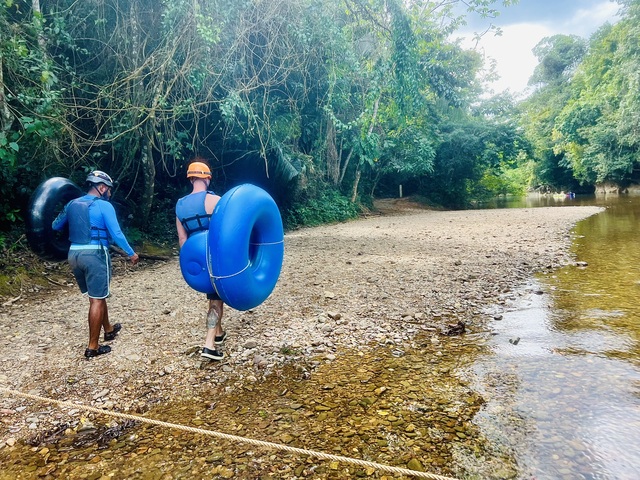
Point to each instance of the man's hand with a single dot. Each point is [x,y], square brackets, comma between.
[134,258]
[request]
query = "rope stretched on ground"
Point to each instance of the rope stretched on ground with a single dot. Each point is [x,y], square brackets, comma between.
[234,438]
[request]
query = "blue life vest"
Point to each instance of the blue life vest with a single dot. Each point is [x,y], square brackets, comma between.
[80,230]
[191,212]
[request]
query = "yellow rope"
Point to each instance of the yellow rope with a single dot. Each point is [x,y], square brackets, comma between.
[233,438]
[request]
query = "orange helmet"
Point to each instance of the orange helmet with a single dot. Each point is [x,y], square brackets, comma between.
[198,170]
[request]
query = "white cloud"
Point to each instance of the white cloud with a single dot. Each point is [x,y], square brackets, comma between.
[586,21]
[512,50]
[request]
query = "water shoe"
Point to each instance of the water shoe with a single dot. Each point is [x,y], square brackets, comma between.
[108,336]
[101,350]
[219,340]
[211,354]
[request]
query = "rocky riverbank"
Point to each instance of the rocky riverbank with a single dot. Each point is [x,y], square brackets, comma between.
[344,288]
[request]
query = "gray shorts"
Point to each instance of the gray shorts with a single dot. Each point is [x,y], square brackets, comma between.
[92,269]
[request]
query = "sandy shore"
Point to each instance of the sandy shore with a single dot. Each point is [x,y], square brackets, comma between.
[343,287]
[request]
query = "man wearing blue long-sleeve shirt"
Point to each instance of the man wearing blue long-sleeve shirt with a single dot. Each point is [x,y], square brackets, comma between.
[92,225]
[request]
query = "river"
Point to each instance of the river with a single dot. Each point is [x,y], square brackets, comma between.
[567,354]
[553,393]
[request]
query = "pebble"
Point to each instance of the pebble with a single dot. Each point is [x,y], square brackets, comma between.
[101,394]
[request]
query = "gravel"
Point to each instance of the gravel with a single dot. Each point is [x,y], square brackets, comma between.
[343,287]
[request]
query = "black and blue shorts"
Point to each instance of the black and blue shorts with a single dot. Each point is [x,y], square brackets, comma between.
[213,296]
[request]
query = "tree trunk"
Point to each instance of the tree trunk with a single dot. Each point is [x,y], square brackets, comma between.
[356,181]
[333,159]
[149,170]
[6,117]
[35,8]
[375,183]
[146,144]
[345,165]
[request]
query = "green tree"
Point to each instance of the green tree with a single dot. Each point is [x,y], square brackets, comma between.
[598,128]
[33,127]
[559,57]
[321,95]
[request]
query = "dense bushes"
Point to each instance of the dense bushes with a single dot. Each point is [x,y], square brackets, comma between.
[329,207]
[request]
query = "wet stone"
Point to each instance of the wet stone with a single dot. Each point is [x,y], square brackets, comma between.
[379,419]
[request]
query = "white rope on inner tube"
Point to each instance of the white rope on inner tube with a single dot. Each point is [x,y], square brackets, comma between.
[233,438]
[267,243]
[216,277]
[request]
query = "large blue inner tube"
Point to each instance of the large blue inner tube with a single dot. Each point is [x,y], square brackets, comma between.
[193,263]
[45,204]
[245,246]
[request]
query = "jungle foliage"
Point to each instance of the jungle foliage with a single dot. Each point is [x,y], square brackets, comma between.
[317,101]
[324,103]
[583,117]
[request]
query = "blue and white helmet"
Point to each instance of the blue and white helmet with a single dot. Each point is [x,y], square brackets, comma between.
[97,177]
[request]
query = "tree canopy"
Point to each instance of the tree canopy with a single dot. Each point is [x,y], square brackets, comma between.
[583,118]
[321,103]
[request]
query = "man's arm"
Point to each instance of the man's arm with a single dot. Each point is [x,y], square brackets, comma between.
[61,219]
[182,233]
[113,227]
[210,202]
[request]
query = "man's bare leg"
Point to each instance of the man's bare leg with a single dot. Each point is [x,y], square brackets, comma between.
[98,315]
[214,323]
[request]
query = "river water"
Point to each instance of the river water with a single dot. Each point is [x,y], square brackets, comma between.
[563,377]
[555,396]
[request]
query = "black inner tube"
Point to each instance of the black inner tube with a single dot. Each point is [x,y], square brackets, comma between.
[45,204]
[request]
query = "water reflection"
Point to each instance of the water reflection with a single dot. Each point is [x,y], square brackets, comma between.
[572,380]
[602,296]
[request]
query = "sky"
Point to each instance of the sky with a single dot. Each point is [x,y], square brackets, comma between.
[524,25]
